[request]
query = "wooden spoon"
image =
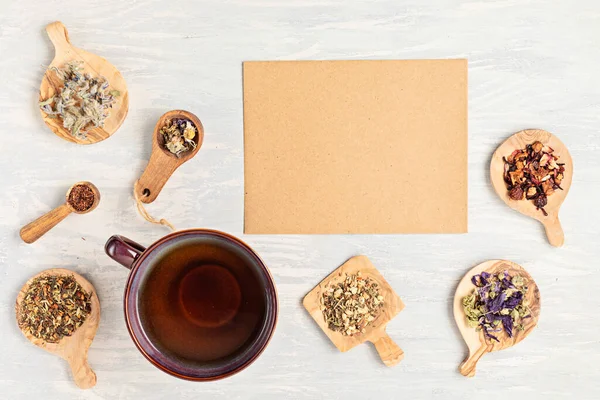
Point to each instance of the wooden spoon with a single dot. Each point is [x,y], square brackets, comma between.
[36,229]
[74,348]
[162,162]
[96,66]
[479,345]
[519,140]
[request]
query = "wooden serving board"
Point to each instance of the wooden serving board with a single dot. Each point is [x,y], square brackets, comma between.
[520,140]
[375,332]
[477,343]
[95,65]
[74,348]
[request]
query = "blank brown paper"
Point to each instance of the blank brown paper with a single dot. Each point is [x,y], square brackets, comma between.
[355,146]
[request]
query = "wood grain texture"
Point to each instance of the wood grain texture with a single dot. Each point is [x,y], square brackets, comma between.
[375,333]
[476,342]
[518,141]
[39,227]
[65,52]
[532,63]
[74,348]
[162,162]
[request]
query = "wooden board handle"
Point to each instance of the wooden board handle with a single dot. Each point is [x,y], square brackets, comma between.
[36,229]
[554,231]
[58,34]
[389,351]
[83,375]
[157,173]
[467,368]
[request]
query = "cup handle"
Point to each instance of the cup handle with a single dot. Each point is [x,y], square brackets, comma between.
[123,250]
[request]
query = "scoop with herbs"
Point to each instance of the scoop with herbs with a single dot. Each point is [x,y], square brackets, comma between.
[496,305]
[58,310]
[81,198]
[176,139]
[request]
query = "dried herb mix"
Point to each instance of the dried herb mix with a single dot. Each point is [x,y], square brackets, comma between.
[349,306]
[178,135]
[81,197]
[533,174]
[82,103]
[498,303]
[54,307]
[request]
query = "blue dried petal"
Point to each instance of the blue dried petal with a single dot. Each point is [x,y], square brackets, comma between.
[508,324]
[489,335]
[513,300]
[495,305]
[481,279]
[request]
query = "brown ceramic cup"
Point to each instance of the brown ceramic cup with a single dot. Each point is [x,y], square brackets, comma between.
[148,265]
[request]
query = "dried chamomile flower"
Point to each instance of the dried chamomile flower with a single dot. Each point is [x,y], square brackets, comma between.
[178,135]
[349,306]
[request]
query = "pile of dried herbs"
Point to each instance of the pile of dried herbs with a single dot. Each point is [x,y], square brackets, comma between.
[497,303]
[82,103]
[178,135]
[349,306]
[81,197]
[533,174]
[54,307]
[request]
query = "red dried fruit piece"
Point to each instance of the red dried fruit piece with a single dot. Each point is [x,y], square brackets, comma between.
[516,193]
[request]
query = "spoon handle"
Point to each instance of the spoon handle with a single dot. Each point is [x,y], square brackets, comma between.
[157,173]
[36,229]
[390,353]
[467,368]
[83,375]
[554,231]
[59,36]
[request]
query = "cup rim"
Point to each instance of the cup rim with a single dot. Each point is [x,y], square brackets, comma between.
[268,326]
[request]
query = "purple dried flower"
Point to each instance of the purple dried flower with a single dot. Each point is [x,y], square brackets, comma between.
[495,305]
[513,300]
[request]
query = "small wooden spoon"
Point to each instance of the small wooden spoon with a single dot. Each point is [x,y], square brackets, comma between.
[479,345]
[162,162]
[517,141]
[73,349]
[36,229]
[96,66]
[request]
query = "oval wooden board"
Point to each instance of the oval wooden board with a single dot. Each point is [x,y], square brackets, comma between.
[74,348]
[375,333]
[96,66]
[518,141]
[476,342]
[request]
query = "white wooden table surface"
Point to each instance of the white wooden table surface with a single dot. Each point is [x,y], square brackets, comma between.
[532,63]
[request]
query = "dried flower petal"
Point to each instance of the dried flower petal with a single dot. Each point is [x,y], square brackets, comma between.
[349,306]
[533,174]
[178,135]
[82,103]
[497,300]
